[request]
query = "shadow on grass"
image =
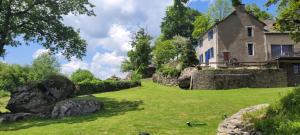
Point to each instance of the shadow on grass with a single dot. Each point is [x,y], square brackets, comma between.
[112,107]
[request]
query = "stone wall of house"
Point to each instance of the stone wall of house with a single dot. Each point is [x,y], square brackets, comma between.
[159,78]
[239,78]
[293,79]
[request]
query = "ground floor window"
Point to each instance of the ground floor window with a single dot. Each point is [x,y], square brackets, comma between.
[250,49]
[296,69]
[282,50]
[209,54]
[201,58]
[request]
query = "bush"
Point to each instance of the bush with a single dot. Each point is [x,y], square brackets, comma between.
[3,93]
[82,75]
[282,117]
[169,72]
[98,86]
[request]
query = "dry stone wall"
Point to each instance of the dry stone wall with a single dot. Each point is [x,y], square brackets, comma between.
[239,78]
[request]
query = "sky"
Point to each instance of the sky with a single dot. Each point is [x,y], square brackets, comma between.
[108,34]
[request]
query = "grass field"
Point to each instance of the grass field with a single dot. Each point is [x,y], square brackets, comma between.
[152,108]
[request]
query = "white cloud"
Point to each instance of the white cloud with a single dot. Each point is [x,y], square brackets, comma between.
[72,66]
[39,52]
[108,33]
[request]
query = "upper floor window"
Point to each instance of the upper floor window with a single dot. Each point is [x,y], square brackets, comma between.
[250,31]
[282,50]
[200,43]
[210,34]
[250,49]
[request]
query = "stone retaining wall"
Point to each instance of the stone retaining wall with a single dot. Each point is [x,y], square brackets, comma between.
[159,78]
[239,78]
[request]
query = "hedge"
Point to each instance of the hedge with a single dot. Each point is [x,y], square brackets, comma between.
[98,86]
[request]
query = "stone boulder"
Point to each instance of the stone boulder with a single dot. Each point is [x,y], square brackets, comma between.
[73,107]
[40,98]
[184,80]
[9,117]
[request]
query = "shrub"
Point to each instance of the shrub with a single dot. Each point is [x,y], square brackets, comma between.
[282,117]
[3,93]
[98,86]
[82,75]
[169,72]
[136,77]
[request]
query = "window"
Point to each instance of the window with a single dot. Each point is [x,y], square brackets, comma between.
[200,43]
[209,54]
[250,49]
[250,31]
[201,59]
[296,69]
[282,50]
[210,34]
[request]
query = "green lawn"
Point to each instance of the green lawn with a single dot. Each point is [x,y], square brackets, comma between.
[151,108]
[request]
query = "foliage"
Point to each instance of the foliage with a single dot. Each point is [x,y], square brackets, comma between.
[163,52]
[3,93]
[140,56]
[42,21]
[82,75]
[178,20]
[12,76]
[257,12]
[188,54]
[236,3]
[201,25]
[220,9]
[135,77]
[282,117]
[44,65]
[169,71]
[288,19]
[151,109]
[98,86]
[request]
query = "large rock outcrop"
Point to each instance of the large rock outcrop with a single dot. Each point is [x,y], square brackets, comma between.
[40,98]
[184,81]
[75,107]
[236,125]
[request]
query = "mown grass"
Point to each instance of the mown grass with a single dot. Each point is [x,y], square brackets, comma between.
[152,108]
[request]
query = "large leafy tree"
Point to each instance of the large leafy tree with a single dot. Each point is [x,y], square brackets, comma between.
[163,52]
[44,65]
[257,12]
[178,20]
[188,54]
[82,75]
[202,24]
[41,21]
[288,17]
[220,9]
[140,56]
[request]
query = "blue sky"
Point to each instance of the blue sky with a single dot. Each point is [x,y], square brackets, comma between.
[108,33]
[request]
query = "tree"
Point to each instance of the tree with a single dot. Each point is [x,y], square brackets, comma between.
[140,56]
[82,75]
[41,21]
[220,9]
[178,20]
[44,65]
[201,25]
[188,56]
[288,19]
[257,12]
[13,76]
[236,3]
[163,52]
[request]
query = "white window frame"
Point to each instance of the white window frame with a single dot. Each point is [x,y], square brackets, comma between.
[253,49]
[252,30]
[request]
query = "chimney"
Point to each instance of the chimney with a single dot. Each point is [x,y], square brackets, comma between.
[240,8]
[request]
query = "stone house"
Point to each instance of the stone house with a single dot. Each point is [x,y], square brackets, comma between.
[243,39]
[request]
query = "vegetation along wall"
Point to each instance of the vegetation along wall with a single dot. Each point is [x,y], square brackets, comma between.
[239,78]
